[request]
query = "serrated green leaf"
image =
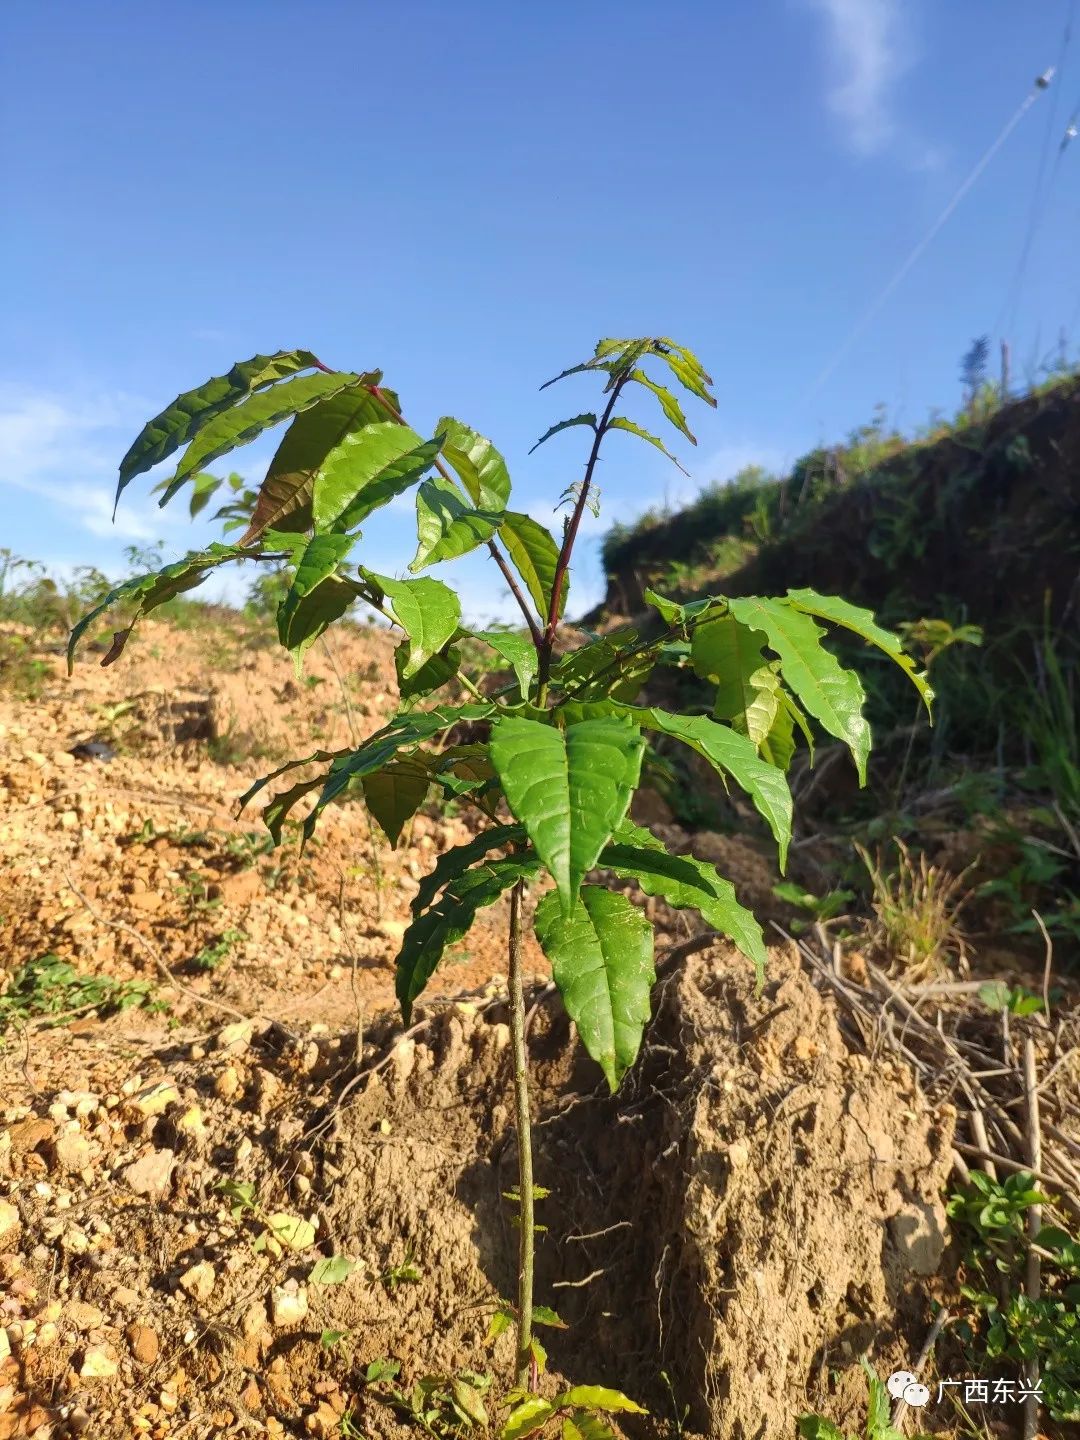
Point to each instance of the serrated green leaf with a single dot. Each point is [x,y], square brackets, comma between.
[395,793]
[728,654]
[203,488]
[432,675]
[670,406]
[450,919]
[397,477]
[534,554]
[589,420]
[544,1315]
[334,1270]
[736,756]
[446,526]
[778,746]
[536,1349]
[583,1426]
[456,861]
[620,422]
[151,591]
[499,1324]
[877,1416]
[833,695]
[316,597]
[312,442]
[402,733]
[689,374]
[329,1338]
[244,422]
[526,1418]
[598,1397]
[862,623]
[569,788]
[175,426]
[816,1427]
[477,464]
[427,610]
[519,653]
[601,958]
[687,883]
[604,667]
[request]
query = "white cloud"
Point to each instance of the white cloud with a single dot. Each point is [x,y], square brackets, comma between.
[869,47]
[66,451]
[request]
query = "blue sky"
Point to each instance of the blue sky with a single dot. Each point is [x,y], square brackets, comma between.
[467,196]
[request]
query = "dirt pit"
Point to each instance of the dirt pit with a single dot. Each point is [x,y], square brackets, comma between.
[755,1209]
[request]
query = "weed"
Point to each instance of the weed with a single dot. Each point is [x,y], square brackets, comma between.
[821,908]
[22,673]
[406,1272]
[917,908]
[52,990]
[1003,1323]
[878,1422]
[278,1230]
[211,956]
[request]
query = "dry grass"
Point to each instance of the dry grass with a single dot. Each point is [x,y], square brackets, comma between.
[916,908]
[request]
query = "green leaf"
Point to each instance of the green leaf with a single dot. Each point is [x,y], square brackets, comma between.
[604,667]
[329,1338]
[602,961]
[735,755]
[778,746]
[446,526]
[583,1426]
[432,675]
[534,554]
[833,695]
[292,1231]
[243,423]
[316,597]
[877,1416]
[393,480]
[727,653]
[597,1397]
[690,374]
[333,1271]
[589,420]
[450,919]
[360,460]
[151,591]
[455,862]
[404,732]
[670,406]
[476,462]
[427,610]
[203,488]
[518,651]
[176,425]
[544,1315]
[310,443]
[620,422]
[467,1400]
[816,1427]
[499,1324]
[687,883]
[526,1418]
[862,622]
[395,793]
[570,789]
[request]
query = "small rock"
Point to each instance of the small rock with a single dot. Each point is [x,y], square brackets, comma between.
[234,1038]
[192,1123]
[738,1154]
[73,1150]
[144,1342]
[83,1315]
[227,1084]
[155,1099]
[9,1219]
[288,1303]
[198,1282]
[99,1363]
[150,1175]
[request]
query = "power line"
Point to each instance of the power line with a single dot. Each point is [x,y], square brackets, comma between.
[869,314]
[1007,318]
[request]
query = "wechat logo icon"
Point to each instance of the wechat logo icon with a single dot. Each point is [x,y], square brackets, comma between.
[903,1385]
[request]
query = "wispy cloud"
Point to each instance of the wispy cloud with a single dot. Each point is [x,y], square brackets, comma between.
[869,48]
[66,451]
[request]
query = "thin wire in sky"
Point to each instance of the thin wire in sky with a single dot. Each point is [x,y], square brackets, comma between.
[872,310]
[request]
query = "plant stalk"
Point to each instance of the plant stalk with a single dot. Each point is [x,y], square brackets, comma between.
[526,1231]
